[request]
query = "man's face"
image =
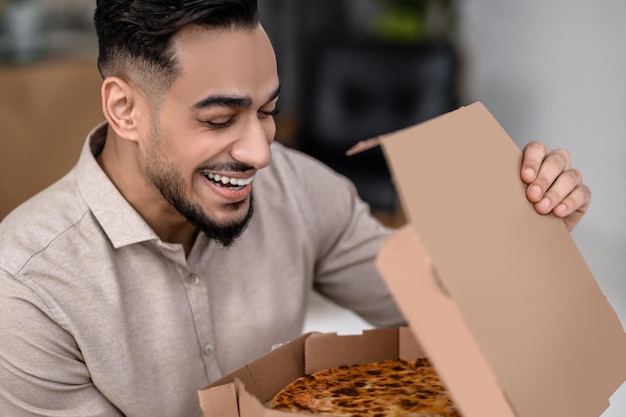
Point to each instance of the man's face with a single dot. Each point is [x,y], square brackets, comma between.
[213,128]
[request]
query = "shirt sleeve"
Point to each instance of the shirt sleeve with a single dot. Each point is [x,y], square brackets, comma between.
[348,239]
[42,372]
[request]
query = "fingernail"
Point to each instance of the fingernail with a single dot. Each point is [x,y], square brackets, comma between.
[544,204]
[535,190]
[529,173]
[560,209]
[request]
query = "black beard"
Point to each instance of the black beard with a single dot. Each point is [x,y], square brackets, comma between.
[225,234]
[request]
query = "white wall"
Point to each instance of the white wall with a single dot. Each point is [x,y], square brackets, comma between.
[553,71]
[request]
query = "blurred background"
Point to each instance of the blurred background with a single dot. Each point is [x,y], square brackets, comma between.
[352,69]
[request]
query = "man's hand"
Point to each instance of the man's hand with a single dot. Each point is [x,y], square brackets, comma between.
[553,185]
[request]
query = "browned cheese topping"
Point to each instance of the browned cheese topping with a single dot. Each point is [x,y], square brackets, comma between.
[382,389]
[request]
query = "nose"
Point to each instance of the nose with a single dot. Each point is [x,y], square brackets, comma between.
[253,145]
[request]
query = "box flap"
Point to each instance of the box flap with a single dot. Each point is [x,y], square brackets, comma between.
[250,406]
[329,350]
[363,146]
[438,323]
[219,402]
[268,374]
[521,286]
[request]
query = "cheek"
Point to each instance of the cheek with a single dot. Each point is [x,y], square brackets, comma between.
[171,160]
[199,151]
[270,129]
[184,149]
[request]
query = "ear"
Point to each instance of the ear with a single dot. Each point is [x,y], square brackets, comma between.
[121,107]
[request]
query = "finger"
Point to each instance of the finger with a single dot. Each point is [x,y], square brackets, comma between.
[581,197]
[554,164]
[576,201]
[533,155]
[562,187]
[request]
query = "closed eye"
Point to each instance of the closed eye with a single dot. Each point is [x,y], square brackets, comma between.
[269,113]
[219,124]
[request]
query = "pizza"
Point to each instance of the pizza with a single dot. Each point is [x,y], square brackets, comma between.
[381,389]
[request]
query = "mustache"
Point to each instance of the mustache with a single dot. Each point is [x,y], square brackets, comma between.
[232,166]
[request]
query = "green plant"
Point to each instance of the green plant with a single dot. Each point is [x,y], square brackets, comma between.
[415,20]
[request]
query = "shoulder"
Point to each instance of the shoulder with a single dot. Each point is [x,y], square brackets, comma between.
[290,160]
[300,192]
[306,176]
[302,182]
[36,223]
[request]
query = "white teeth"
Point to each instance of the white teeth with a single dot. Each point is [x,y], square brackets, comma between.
[240,182]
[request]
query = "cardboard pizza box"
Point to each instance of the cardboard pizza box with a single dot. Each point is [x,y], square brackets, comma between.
[497,296]
[245,392]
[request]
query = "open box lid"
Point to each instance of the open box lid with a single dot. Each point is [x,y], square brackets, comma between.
[499,296]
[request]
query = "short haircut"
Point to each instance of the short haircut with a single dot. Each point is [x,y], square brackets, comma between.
[135,37]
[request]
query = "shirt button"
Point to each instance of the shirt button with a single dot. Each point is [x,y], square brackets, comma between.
[207,349]
[193,279]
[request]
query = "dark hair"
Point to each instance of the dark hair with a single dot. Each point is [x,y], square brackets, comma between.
[136,35]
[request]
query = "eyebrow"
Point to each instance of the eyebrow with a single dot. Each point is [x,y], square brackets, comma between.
[225,100]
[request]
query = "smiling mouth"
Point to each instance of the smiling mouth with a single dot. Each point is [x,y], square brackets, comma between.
[228,182]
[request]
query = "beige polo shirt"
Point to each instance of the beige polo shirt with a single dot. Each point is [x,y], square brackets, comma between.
[99,317]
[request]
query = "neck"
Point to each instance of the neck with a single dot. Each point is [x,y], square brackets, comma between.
[118,160]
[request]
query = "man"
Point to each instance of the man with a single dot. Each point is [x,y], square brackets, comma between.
[143,275]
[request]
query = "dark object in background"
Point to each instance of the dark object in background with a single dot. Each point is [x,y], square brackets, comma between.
[358,90]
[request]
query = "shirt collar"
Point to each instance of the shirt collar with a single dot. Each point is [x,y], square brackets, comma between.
[119,220]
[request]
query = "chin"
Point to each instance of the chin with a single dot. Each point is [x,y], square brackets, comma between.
[231,213]
[231,224]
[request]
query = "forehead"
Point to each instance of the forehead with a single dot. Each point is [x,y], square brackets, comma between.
[225,61]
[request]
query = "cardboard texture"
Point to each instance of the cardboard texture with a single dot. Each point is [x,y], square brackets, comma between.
[496,295]
[248,388]
[368,347]
[521,285]
[441,329]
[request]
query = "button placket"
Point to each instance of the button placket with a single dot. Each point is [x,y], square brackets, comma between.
[199,303]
